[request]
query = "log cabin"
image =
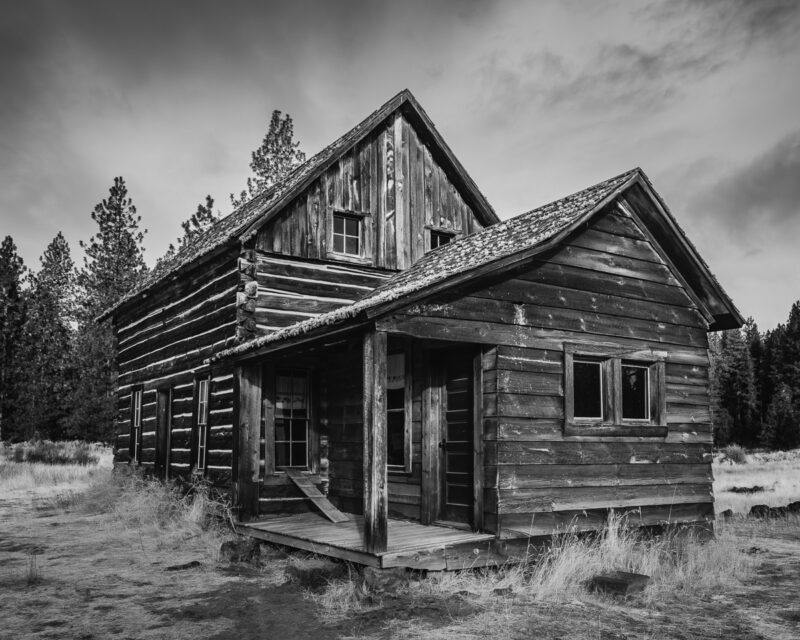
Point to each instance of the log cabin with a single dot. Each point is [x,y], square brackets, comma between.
[377,368]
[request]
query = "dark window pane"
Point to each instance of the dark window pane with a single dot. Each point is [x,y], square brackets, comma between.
[351,246]
[459,431]
[281,432]
[459,494]
[298,430]
[587,390]
[299,455]
[338,224]
[282,454]
[439,239]
[459,400]
[634,393]
[459,462]
[351,227]
[395,440]
[395,398]
[338,243]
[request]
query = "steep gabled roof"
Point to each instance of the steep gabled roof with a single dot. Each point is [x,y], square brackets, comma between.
[495,248]
[242,223]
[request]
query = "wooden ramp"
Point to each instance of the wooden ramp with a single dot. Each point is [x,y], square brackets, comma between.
[411,544]
[303,482]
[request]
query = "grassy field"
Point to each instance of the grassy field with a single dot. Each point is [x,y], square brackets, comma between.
[78,561]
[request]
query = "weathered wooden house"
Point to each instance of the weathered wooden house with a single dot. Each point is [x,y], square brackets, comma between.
[369,331]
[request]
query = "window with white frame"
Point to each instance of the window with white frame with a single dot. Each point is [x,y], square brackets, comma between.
[398,412]
[346,234]
[202,423]
[292,416]
[614,393]
[136,426]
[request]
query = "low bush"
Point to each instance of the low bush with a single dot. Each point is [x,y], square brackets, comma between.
[735,454]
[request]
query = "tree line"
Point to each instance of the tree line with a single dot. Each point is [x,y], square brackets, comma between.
[755,384]
[57,360]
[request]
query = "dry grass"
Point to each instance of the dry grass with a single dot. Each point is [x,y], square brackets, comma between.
[778,472]
[26,476]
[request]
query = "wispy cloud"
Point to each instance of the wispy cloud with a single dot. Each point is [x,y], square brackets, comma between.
[766,191]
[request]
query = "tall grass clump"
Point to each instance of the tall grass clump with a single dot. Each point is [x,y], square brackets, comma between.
[678,563]
[33,466]
[166,513]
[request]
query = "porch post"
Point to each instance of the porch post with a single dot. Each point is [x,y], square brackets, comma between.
[249,424]
[375,477]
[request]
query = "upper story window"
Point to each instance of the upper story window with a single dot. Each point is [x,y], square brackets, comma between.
[440,238]
[202,423]
[347,234]
[607,393]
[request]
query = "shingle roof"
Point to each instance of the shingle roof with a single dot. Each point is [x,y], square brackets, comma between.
[240,223]
[516,235]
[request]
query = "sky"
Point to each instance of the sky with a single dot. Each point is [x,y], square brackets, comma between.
[536,99]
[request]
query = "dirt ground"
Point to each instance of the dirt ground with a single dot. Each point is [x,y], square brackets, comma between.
[66,572]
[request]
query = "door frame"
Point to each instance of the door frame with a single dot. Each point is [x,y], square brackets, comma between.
[432,490]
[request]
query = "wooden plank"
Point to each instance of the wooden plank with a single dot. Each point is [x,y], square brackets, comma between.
[431,436]
[375,474]
[359,557]
[566,452]
[477,437]
[312,493]
[389,210]
[249,432]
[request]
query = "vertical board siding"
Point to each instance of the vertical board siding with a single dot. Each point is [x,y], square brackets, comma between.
[536,478]
[392,177]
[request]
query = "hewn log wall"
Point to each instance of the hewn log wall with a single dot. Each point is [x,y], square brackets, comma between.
[392,177]
[291,290]
[606,286]
[162,342]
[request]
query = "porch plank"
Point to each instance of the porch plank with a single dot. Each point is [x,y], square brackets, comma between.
[410,544]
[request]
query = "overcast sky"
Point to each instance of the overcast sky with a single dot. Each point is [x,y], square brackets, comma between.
[536,99]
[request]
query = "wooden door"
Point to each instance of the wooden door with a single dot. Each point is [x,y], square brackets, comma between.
[457,445]
[163,427]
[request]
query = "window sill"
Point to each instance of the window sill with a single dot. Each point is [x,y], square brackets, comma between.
[632,430]
[346,257]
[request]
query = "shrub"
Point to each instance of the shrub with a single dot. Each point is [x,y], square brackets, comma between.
[735,454]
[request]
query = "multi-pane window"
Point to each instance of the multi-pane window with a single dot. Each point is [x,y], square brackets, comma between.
[202,423]
[137,425]
[588,390]
[346,234]
[292,415]
[635,392]
[440,238]
[619,394]
[396,449]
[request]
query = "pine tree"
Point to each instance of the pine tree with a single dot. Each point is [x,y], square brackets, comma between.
[278,154]
[113,265]
[781,428]
[114,260]
[735,389]
[12,318]
[200,222]
[47,345]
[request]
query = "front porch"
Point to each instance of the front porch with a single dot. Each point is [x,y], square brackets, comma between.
[409,544]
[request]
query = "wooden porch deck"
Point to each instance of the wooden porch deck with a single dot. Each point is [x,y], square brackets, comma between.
[410,544]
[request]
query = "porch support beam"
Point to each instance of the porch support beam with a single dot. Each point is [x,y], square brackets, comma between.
[376,504]
[248,377]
